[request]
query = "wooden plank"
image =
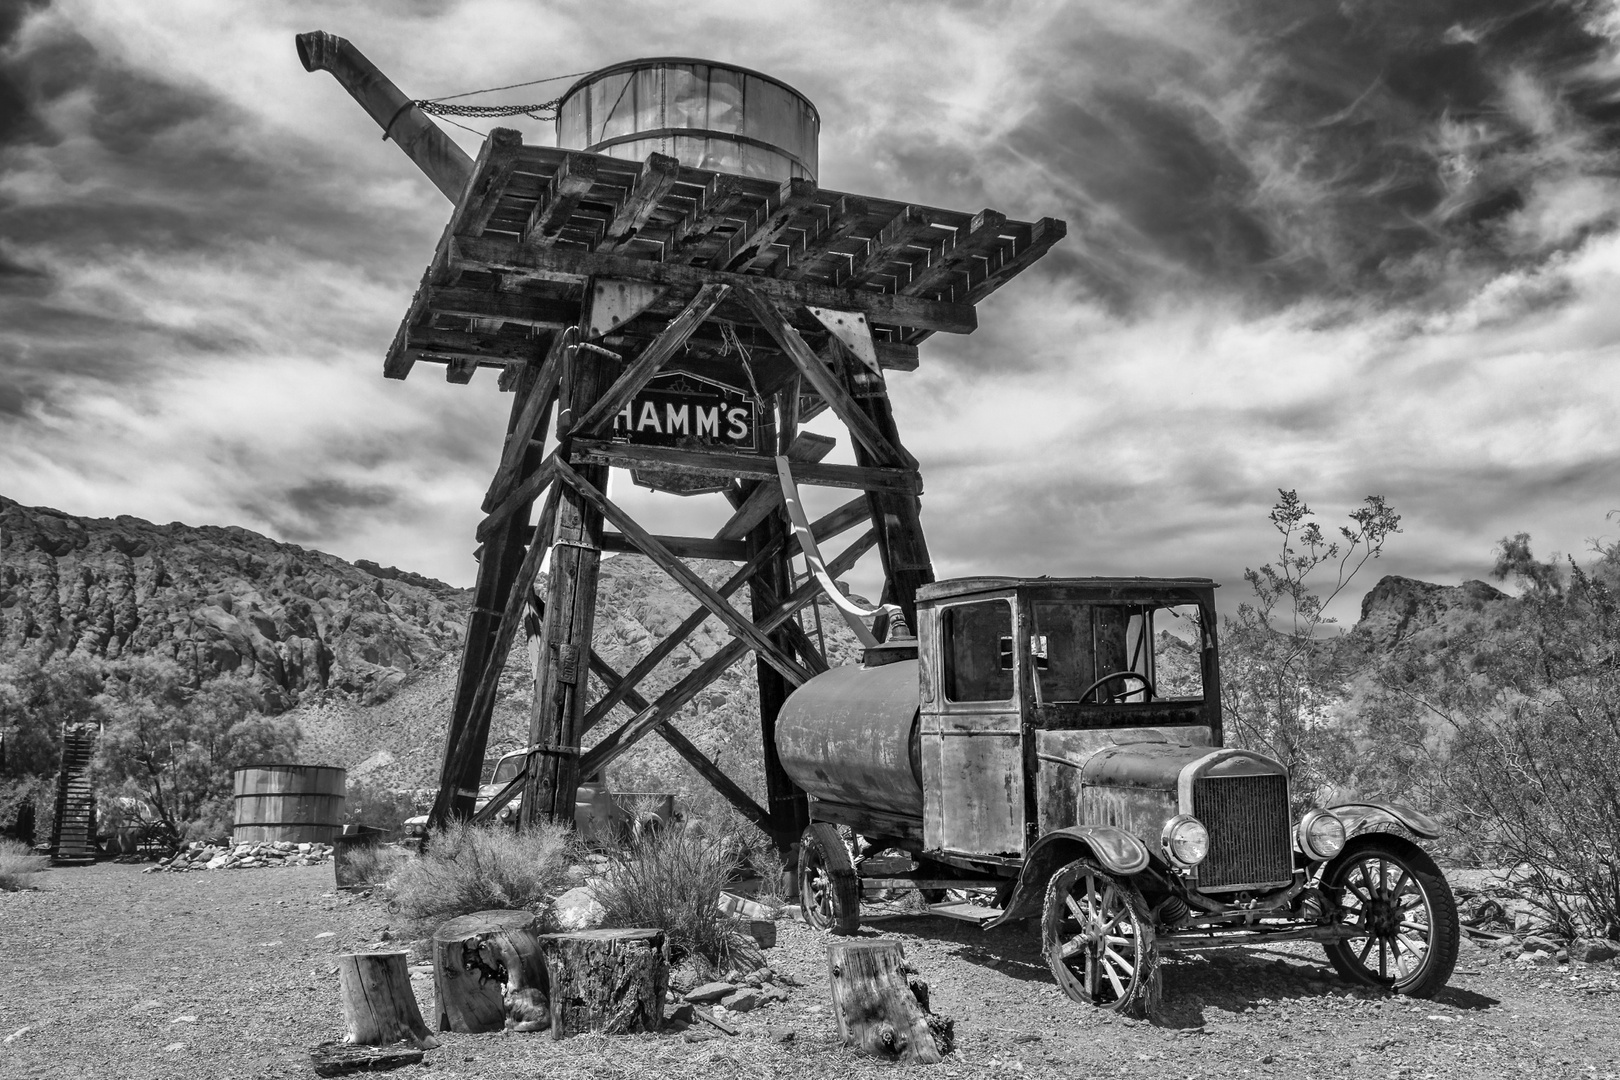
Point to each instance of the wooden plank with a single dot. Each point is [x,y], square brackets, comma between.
[398,361]
[686,547]
[460,370]
[814,371]
[1043,234]
[725,785]
[808,446]
[676,697]
[844,217]
[502,305]
[721,198]
[735,621]
[574,265]
[983,235]
[657,175]
[824,528]
[428,341]
[524,492]
[492,173]
[747,466]
[896,356]
[767,224]
[652,358]
[573,178]
[531,423]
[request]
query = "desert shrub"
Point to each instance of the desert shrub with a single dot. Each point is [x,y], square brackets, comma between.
[673,880]
[376,864]
[468,868]
[380,807]
[18,865]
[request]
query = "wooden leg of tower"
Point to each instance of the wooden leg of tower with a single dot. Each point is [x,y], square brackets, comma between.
[498,567]
[563,674]
[788,808]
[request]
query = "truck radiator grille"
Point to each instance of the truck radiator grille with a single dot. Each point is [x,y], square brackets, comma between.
[1250,835]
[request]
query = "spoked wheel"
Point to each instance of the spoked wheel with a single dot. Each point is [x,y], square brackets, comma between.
[1397,900]
[1098,940]
[829,892]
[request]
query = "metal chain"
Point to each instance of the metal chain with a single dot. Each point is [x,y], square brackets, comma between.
[485,112]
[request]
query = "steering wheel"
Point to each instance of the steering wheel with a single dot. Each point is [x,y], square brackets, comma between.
[1110,677]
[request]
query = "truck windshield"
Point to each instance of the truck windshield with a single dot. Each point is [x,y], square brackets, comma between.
[507,769]
[1116,652]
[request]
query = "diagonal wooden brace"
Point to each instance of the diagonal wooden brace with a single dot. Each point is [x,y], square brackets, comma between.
[536,411]
[675,568]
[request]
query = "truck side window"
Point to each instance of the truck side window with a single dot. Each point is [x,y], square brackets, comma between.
[1083,643]
[970,641]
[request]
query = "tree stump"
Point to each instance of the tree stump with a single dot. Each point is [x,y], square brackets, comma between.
[488,974]
[611,981]
[879,1012]
[378,1005]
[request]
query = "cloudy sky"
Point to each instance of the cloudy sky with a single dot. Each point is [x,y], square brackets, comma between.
[1343,246]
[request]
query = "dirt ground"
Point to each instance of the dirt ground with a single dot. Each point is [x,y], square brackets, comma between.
[105,972]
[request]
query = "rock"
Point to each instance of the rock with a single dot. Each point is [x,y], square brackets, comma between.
[1537,959]
[753,981]
[1589,951]
[679,1012]
[772,994]
[783,1035]
[710,992]
[577,909]
[1540,944]
[218,862]
[1522,921]
[744,1000]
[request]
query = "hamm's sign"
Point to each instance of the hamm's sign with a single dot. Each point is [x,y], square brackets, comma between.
[683,410]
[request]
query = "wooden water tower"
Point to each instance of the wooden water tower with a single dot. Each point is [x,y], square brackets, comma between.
[672,289]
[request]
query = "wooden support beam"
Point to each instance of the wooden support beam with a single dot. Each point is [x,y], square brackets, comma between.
[492,173]
[460,370]
[646,365]
[823,529]
[486,813]
[718,204]
[706,768]
[491,252]
[573,178]
[767,224]
[983,235]
[428,342]
[735,621]
[501,305]
[524,492]
[913,226]
[686,547]
[532,421]
[832,391]
[657,175]
[748,466]
[807,446]
[844,217]
[676,697]
[1043,234]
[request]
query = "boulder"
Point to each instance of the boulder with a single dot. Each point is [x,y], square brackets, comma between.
[577,909]
[1589,951]
[710,992]
[1540,944]
[743,1000]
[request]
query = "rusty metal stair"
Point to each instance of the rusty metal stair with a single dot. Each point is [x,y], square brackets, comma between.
[73,829]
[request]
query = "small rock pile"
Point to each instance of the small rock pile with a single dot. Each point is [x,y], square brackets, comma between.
[200,856]
[738,992]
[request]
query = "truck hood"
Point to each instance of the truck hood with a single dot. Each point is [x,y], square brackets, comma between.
[1160,765]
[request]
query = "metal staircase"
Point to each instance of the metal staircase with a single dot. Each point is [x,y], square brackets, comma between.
[73,829]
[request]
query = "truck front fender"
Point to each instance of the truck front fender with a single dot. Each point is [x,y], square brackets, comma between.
[1117,850]
[1368,817]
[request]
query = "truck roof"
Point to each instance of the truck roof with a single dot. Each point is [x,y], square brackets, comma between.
[941,590]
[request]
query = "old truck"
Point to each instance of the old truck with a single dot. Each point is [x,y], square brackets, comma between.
[1056,744]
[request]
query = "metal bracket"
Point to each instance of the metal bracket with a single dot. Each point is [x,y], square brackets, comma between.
[568,663]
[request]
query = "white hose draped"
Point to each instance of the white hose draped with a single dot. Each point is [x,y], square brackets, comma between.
[852,612]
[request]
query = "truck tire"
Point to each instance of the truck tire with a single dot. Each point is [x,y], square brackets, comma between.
[1099,942]
[1389,887]
[829,892]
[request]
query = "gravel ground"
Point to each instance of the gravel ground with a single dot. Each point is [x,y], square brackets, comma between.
[105,972]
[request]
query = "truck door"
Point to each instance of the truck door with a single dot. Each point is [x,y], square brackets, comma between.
[971,735]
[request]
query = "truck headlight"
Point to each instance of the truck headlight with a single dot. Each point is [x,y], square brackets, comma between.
[1321,834]
[1185,840]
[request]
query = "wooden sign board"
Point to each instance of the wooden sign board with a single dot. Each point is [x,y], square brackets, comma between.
[689,412]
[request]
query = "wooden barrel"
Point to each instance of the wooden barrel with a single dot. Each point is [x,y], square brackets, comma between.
[296,803]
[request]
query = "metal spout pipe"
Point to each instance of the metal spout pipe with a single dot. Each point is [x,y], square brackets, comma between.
[443,162]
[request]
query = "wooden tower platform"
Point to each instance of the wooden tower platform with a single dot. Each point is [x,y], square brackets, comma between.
[683,323]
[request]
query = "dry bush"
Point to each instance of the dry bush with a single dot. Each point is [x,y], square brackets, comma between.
[18,865]
[468,868]
[672,880]
[377,864]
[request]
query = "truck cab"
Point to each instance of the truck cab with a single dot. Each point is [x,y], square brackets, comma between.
[1057,743]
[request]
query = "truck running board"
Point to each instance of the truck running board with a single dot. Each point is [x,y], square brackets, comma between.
[966,910]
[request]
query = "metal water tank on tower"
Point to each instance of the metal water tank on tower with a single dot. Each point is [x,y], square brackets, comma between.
[705,114]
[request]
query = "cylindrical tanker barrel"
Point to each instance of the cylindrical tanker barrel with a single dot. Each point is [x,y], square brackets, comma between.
[297,803]
[849,736]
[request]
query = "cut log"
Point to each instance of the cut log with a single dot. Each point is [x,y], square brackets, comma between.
[378,1005]
[336,1059]
[610,981]
[488,973]
[878,1012]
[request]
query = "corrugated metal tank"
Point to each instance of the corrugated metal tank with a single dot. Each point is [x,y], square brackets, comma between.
[706,115]
[297,803]
[849,736]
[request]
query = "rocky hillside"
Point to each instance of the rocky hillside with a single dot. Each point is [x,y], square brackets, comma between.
[1402,615]
[218,601]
